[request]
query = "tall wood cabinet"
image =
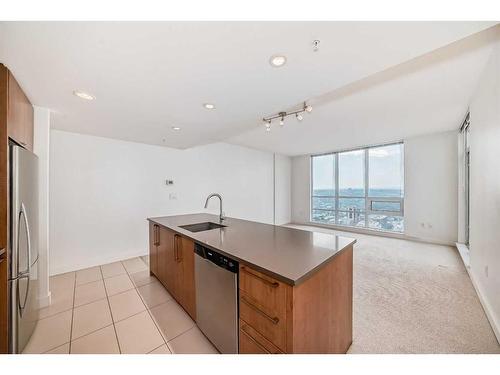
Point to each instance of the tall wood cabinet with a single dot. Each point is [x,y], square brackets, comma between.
[16,123]
[172,262]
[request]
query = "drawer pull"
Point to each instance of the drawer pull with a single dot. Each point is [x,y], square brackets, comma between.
[274,320]
[253,340]
[270,283]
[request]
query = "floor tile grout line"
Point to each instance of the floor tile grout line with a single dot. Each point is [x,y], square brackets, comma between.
[55,347]
[158,348]
[102,277]
[72,309]
[123,291]
[150,315]
[148,309]
[157,328]
[126,270]
[88,282]
[111,313]
[56,313]
[145,305]
[152,307]
[153,319]
[130,316]
[180,334]
[72,316]
[91,332]
[88,303]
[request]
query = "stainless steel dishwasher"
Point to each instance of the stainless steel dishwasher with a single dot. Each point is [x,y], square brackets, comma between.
[216,279]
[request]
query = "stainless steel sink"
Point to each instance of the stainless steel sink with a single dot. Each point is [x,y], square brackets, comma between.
[200,227]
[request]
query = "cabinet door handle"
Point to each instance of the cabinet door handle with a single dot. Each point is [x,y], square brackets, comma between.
[274,320]
[157,235]
[253,340]
[265,281]
[175,247]
[178,252]
[177,258]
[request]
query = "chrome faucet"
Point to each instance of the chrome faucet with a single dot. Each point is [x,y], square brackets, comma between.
[221,214]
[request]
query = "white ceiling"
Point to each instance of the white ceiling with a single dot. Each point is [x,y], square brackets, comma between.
[364,82]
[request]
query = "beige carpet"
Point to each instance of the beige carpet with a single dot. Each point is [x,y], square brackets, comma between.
[412,297]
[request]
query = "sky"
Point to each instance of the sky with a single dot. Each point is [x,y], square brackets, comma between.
[385,167]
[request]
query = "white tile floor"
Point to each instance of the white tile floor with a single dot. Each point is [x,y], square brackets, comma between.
[111,309]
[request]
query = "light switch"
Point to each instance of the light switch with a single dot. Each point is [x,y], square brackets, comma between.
[172,196]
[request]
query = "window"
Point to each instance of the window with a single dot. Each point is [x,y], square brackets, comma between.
[360,188]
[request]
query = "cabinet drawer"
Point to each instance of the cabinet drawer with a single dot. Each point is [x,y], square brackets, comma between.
[251,342]
[268,292]
[269,323]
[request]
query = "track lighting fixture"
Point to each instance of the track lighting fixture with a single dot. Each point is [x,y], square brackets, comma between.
[282,115]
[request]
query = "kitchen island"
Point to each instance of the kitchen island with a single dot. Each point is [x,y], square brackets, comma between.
[295,287]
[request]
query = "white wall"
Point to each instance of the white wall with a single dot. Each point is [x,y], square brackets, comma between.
[102,190]
[461,209]
[430,188]
[282,189]
[301,186]
[41,142]
[485,189]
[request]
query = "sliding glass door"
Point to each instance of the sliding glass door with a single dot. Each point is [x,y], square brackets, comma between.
[359,188]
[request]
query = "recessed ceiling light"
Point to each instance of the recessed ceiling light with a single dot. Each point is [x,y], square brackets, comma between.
[83,95]
[209,105]
[277,60]
[176,128]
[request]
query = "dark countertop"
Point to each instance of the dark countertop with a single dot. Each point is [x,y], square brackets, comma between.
[290,255]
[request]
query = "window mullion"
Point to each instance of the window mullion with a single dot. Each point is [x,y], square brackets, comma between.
[336,188]
[366,186]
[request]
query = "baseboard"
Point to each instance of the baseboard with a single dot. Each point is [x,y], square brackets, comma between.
[463,250]
[495,324]
[96,261]
[44,301]
[372,232]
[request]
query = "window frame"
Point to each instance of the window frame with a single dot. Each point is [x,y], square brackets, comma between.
[368,199]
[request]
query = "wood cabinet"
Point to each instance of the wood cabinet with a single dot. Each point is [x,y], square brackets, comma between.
[252,342]
[172,262]
[275,317]
[16,122]
[263,304]
[166,261]
[19,115]
[185,275]
[312,317]
[154,233]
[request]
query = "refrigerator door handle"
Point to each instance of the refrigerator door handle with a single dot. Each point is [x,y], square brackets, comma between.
[24,274]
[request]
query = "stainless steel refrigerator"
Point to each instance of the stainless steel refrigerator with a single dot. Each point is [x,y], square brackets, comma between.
[23,246]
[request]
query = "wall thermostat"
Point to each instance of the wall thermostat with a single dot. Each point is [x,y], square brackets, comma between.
[169,182]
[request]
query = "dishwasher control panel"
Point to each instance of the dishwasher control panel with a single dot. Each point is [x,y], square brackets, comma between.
[216,258]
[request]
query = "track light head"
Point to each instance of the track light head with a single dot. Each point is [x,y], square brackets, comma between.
[308,108]
[299,117]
